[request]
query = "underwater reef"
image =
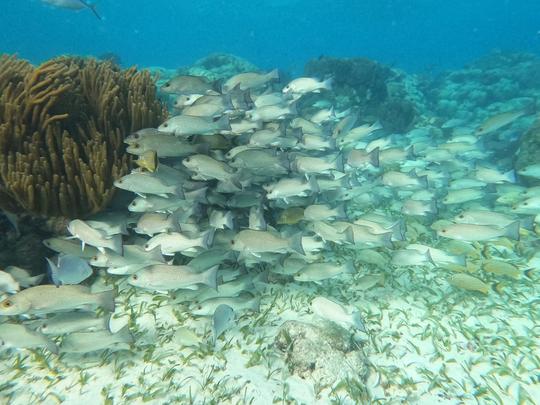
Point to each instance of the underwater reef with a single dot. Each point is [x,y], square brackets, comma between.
[363,83]
[289,243]
[218,66]
[62,126]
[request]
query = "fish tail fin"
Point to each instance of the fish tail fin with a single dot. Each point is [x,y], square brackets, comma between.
[296,243]
[398,229]
[92,8]
[339,163]
[349,234]
[374,157]
[51,346]
[210,277]
[528,273]
[498,288]
[386,239]
[423,180]
[358,322]
[327,84]
[124,335]
[52,270]
[256,305]
[349,267]
[510,175]
[223,123]
[116,244]
[227,101]
[293,109]
[314,186]
[512,230]
[341,213]
[208,238]
[202,148]
[376,126]
[411,153]
[106,300]
[273,75]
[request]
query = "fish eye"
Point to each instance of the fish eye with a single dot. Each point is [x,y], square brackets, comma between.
[136,145]
[165,125]
[232,242]
[136,135]
[167,84]
[135,277]
[94,258]
[443,230]
[7,304]
[187,159]
[188,98]
[525,203]
[146,246]
[199,306]
[461,216]
[44,326]
[120,181]
[133,203]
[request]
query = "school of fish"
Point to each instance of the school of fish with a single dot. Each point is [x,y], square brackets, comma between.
[248,180]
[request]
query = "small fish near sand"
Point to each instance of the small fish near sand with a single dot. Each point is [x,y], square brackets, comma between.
[69,269]
[74,5]
[44,299]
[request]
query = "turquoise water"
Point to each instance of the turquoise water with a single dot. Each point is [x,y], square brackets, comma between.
[416,35]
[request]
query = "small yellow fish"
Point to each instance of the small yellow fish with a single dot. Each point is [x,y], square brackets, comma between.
[369,281]
[501,268]
[148,161]
[291,216]
[467,282]
[498,121]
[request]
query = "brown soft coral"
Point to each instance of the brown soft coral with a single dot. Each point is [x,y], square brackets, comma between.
[62,126]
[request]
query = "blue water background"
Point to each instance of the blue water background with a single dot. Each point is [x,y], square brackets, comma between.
[417,35]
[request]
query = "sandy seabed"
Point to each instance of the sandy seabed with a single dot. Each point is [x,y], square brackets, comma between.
[427,343]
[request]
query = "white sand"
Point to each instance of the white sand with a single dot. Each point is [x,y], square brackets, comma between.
[448,347]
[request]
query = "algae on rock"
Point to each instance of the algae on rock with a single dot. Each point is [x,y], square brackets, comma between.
[326,353]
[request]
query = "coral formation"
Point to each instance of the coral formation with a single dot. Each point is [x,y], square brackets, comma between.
[62,126]
[361,79]
[528,152]
[218,66]
[396,115]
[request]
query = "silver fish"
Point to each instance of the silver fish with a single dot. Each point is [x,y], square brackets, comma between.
[94,237]
[222,320]
[243,302]
[188,84]
[74,5]
[255,242]
[15,336]
[249,80]
[45,299]
[187,125]
[69,269]
[68,322]
[86,342]
[173,242]
[163,277]
[147,183]
[336,312]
